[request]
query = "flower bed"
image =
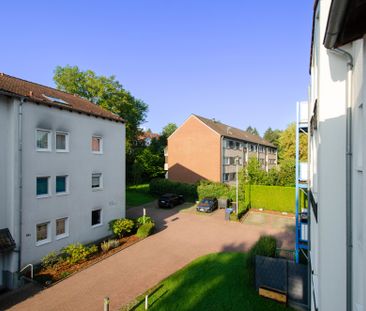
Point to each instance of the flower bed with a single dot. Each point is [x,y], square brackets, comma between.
[76,257]
[50,275]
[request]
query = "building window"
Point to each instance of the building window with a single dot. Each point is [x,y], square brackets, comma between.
[96,217]
[226,160]
[43,186]
[62,184]
[62,142]
[97,182]
[62,228]
[226,176]
[43,233]
[43,140]
[97,144]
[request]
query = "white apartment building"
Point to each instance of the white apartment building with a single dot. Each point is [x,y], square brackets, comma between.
[62,173]
[337,98]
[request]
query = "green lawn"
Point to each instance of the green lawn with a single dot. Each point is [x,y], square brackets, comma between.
[214,282]
[138,194]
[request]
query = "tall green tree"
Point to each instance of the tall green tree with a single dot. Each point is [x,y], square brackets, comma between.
[272,136]
[108,93]
[169,129]
[287,144]
[252,130]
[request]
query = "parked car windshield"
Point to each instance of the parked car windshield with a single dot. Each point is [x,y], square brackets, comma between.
[206,202]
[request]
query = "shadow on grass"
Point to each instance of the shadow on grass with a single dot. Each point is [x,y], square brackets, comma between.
[213,282]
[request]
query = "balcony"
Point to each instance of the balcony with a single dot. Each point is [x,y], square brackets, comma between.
[303,114]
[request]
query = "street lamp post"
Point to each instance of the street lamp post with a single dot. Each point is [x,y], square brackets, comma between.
[237,184]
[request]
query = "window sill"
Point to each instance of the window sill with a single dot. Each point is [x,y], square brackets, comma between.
[43,242]
[43,196]
[43,150]
[96,226]
[97,152]
[62,236]
[97,189]
[62,151]
[60,194]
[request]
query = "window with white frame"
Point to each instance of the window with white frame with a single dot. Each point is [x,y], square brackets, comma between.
[43,186]
[43,140]
[62,227]
[96,217]
[97,181]
[43,234]
[226,160]
[62,184]
[62,142]
[97,144]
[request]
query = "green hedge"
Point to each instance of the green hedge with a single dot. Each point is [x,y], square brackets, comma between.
[275,198]
[161,186]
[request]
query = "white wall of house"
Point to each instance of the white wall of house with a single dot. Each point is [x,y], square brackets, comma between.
[328,171]
[78,164]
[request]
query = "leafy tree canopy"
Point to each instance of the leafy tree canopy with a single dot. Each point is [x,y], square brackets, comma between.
[108,93]
[252,130]
[287,144]
[272,136]
[169,129]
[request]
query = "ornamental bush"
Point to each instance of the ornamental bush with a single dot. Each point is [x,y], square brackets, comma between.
[121,226]
[145,230]
[50,260]
[77,252]
[143,220]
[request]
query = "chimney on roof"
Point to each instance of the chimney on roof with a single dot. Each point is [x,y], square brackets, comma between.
[228,130]
[1,73]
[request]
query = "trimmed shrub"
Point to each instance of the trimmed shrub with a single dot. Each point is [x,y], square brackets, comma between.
[143,220]
[274,198]
[145,230]
[50,260]
[265,246]
[160,186]
[78,252]
[121,226]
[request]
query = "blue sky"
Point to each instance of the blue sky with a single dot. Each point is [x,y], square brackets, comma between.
[241,62]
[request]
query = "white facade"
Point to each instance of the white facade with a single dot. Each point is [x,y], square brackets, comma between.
[73,167]
[327,169]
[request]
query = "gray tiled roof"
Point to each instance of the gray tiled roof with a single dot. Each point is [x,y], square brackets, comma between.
[232,132]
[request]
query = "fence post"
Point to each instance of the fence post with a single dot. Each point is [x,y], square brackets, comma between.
[144,215]
[106,304]
[146,302]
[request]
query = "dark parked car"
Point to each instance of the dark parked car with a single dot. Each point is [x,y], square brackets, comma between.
[169,200]
[207,205]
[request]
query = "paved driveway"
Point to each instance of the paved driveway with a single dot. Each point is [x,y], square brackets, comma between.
[183,236]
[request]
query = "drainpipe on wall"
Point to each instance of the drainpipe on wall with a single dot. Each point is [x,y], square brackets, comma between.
[20,181]
[348,174]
